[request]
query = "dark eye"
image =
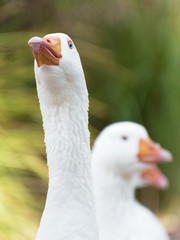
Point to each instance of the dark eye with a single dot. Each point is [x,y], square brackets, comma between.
[70,44]
[124,137]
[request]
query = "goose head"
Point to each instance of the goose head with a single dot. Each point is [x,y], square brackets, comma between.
[58,70]
[124,150]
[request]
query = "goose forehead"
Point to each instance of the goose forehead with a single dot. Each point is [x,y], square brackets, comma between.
[124,128]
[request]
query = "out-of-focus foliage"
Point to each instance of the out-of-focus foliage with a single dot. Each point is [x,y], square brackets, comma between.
[23,173]
[131,57]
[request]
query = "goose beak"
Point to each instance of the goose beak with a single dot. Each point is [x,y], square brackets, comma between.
[46,50]
[151,152]
[154,177]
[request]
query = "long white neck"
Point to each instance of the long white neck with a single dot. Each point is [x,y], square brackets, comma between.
[114,198]
[69,212]
[119,215]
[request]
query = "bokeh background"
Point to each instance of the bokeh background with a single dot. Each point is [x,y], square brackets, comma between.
[130,52]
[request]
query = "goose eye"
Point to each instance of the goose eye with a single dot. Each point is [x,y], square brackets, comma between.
[70,44]
[124,138]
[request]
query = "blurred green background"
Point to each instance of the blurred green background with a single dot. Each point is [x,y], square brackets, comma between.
[130,52]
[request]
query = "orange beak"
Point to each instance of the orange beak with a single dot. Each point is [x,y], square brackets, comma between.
[151,152]
[46,50]
[154,177]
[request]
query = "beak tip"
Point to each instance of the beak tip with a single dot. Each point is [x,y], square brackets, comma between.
[163,183]
[166,156]
[35,43]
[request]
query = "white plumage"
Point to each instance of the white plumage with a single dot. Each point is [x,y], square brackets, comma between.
[69,212]
[118,161]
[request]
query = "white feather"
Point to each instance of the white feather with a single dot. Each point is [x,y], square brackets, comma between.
[116,173]
[69,212]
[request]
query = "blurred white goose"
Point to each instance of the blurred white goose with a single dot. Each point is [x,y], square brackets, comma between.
[69,212]
[122,160]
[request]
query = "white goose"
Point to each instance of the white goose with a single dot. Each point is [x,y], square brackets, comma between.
[69,212]
[122,160]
